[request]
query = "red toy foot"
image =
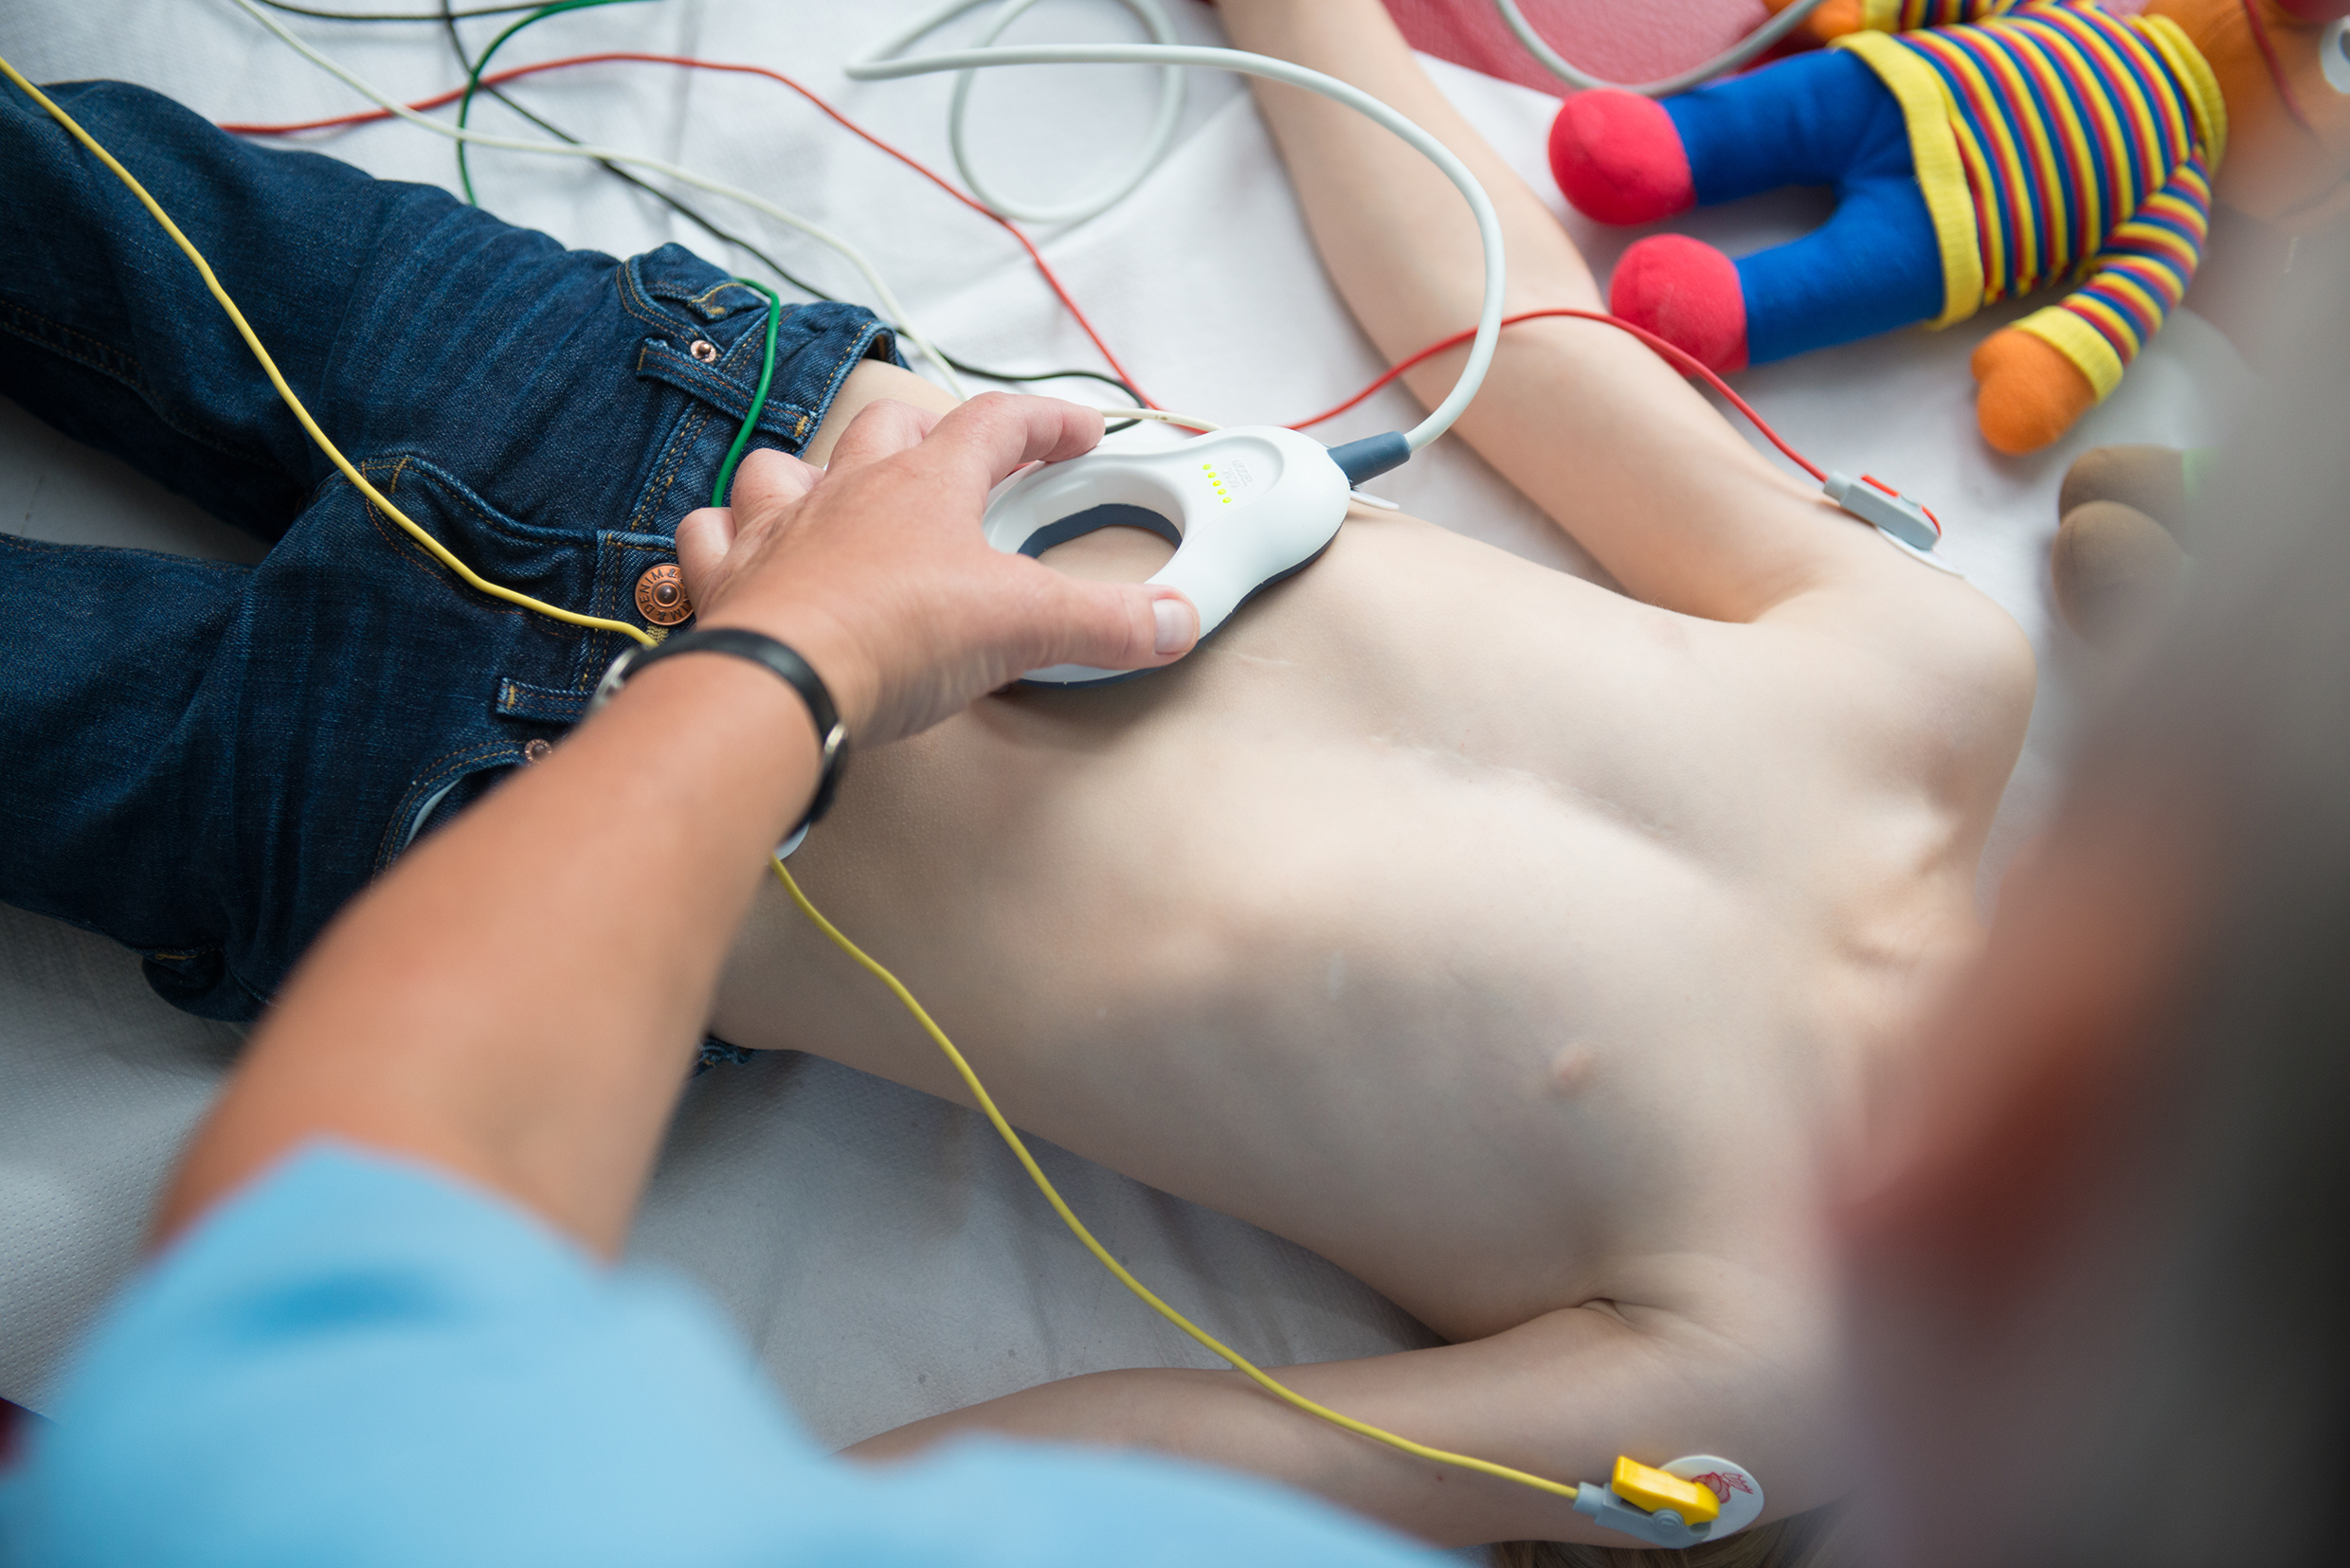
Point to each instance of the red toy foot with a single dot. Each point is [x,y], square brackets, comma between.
[1687,292]
[1618,157]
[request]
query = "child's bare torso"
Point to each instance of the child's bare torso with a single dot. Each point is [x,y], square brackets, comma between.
[1514,944]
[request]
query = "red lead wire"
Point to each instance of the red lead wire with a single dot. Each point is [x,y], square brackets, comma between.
[1679,359]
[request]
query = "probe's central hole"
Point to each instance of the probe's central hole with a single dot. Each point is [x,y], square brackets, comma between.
[1107,543]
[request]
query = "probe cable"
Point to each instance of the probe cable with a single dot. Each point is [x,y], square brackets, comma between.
[896,987]
[885,64]
[269,367]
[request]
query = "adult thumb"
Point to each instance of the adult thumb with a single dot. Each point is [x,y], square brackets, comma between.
[1124,626]
[704,537]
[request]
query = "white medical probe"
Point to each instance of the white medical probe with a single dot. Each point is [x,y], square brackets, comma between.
[1249,505]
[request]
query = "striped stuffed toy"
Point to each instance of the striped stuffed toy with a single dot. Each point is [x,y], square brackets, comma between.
[1980,150]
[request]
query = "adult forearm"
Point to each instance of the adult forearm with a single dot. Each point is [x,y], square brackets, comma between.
[519,999]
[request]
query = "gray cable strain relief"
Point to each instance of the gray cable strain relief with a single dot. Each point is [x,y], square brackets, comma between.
[1365,459]
[1665,1528]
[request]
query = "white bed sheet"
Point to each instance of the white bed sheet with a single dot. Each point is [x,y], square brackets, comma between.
[878,1248]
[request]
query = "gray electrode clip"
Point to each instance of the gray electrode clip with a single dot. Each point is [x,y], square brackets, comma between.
[1876,502]
[1664,1528]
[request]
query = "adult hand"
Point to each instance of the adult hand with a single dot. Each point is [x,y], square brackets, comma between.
[876,570]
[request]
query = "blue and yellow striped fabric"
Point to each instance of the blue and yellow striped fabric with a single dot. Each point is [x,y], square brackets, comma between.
[2054,141]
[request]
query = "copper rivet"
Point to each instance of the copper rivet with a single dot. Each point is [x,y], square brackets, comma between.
[536,751]
[704,350]
[661,595]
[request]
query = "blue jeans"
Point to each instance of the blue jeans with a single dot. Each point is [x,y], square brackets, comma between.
[1820,118]
[205,760]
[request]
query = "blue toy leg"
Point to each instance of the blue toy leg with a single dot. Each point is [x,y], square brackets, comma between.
[1812,119]
[1823,119]
[1873,267]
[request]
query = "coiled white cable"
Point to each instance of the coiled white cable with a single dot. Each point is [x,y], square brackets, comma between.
[882,63]
[1754,43]
[1154,145]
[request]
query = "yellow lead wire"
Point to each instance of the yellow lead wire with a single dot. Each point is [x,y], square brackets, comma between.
[1076,1227]
[269,367]
[938,1036]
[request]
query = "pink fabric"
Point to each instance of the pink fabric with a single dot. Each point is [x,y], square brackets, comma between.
[1617,158]
[1687,292]
[1619,39]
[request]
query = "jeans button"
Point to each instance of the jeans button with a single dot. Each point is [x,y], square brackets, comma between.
[661,595]
[704,350]
[535,751]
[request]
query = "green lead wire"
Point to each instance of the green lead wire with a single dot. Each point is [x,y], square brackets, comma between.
[758,399]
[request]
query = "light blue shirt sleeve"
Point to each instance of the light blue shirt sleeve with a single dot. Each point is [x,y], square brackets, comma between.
[361,1361]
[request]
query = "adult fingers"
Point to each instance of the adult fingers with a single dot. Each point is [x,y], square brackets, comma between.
[767,480]
[883,428]
[998,432]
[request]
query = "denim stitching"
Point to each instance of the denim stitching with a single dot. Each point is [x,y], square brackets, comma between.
[859,348]
[416,556]
[702,298]
[125,371]
[681,436]
[440,770]
[705,382]
[658,318]
[36,547]
[516,695]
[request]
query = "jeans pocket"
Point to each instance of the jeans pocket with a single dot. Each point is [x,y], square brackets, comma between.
[442,790]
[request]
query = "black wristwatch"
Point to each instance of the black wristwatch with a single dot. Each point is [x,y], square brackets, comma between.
[832,736]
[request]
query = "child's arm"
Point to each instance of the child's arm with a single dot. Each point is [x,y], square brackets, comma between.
[1560,1397]
[1585,420]
[2048,370]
